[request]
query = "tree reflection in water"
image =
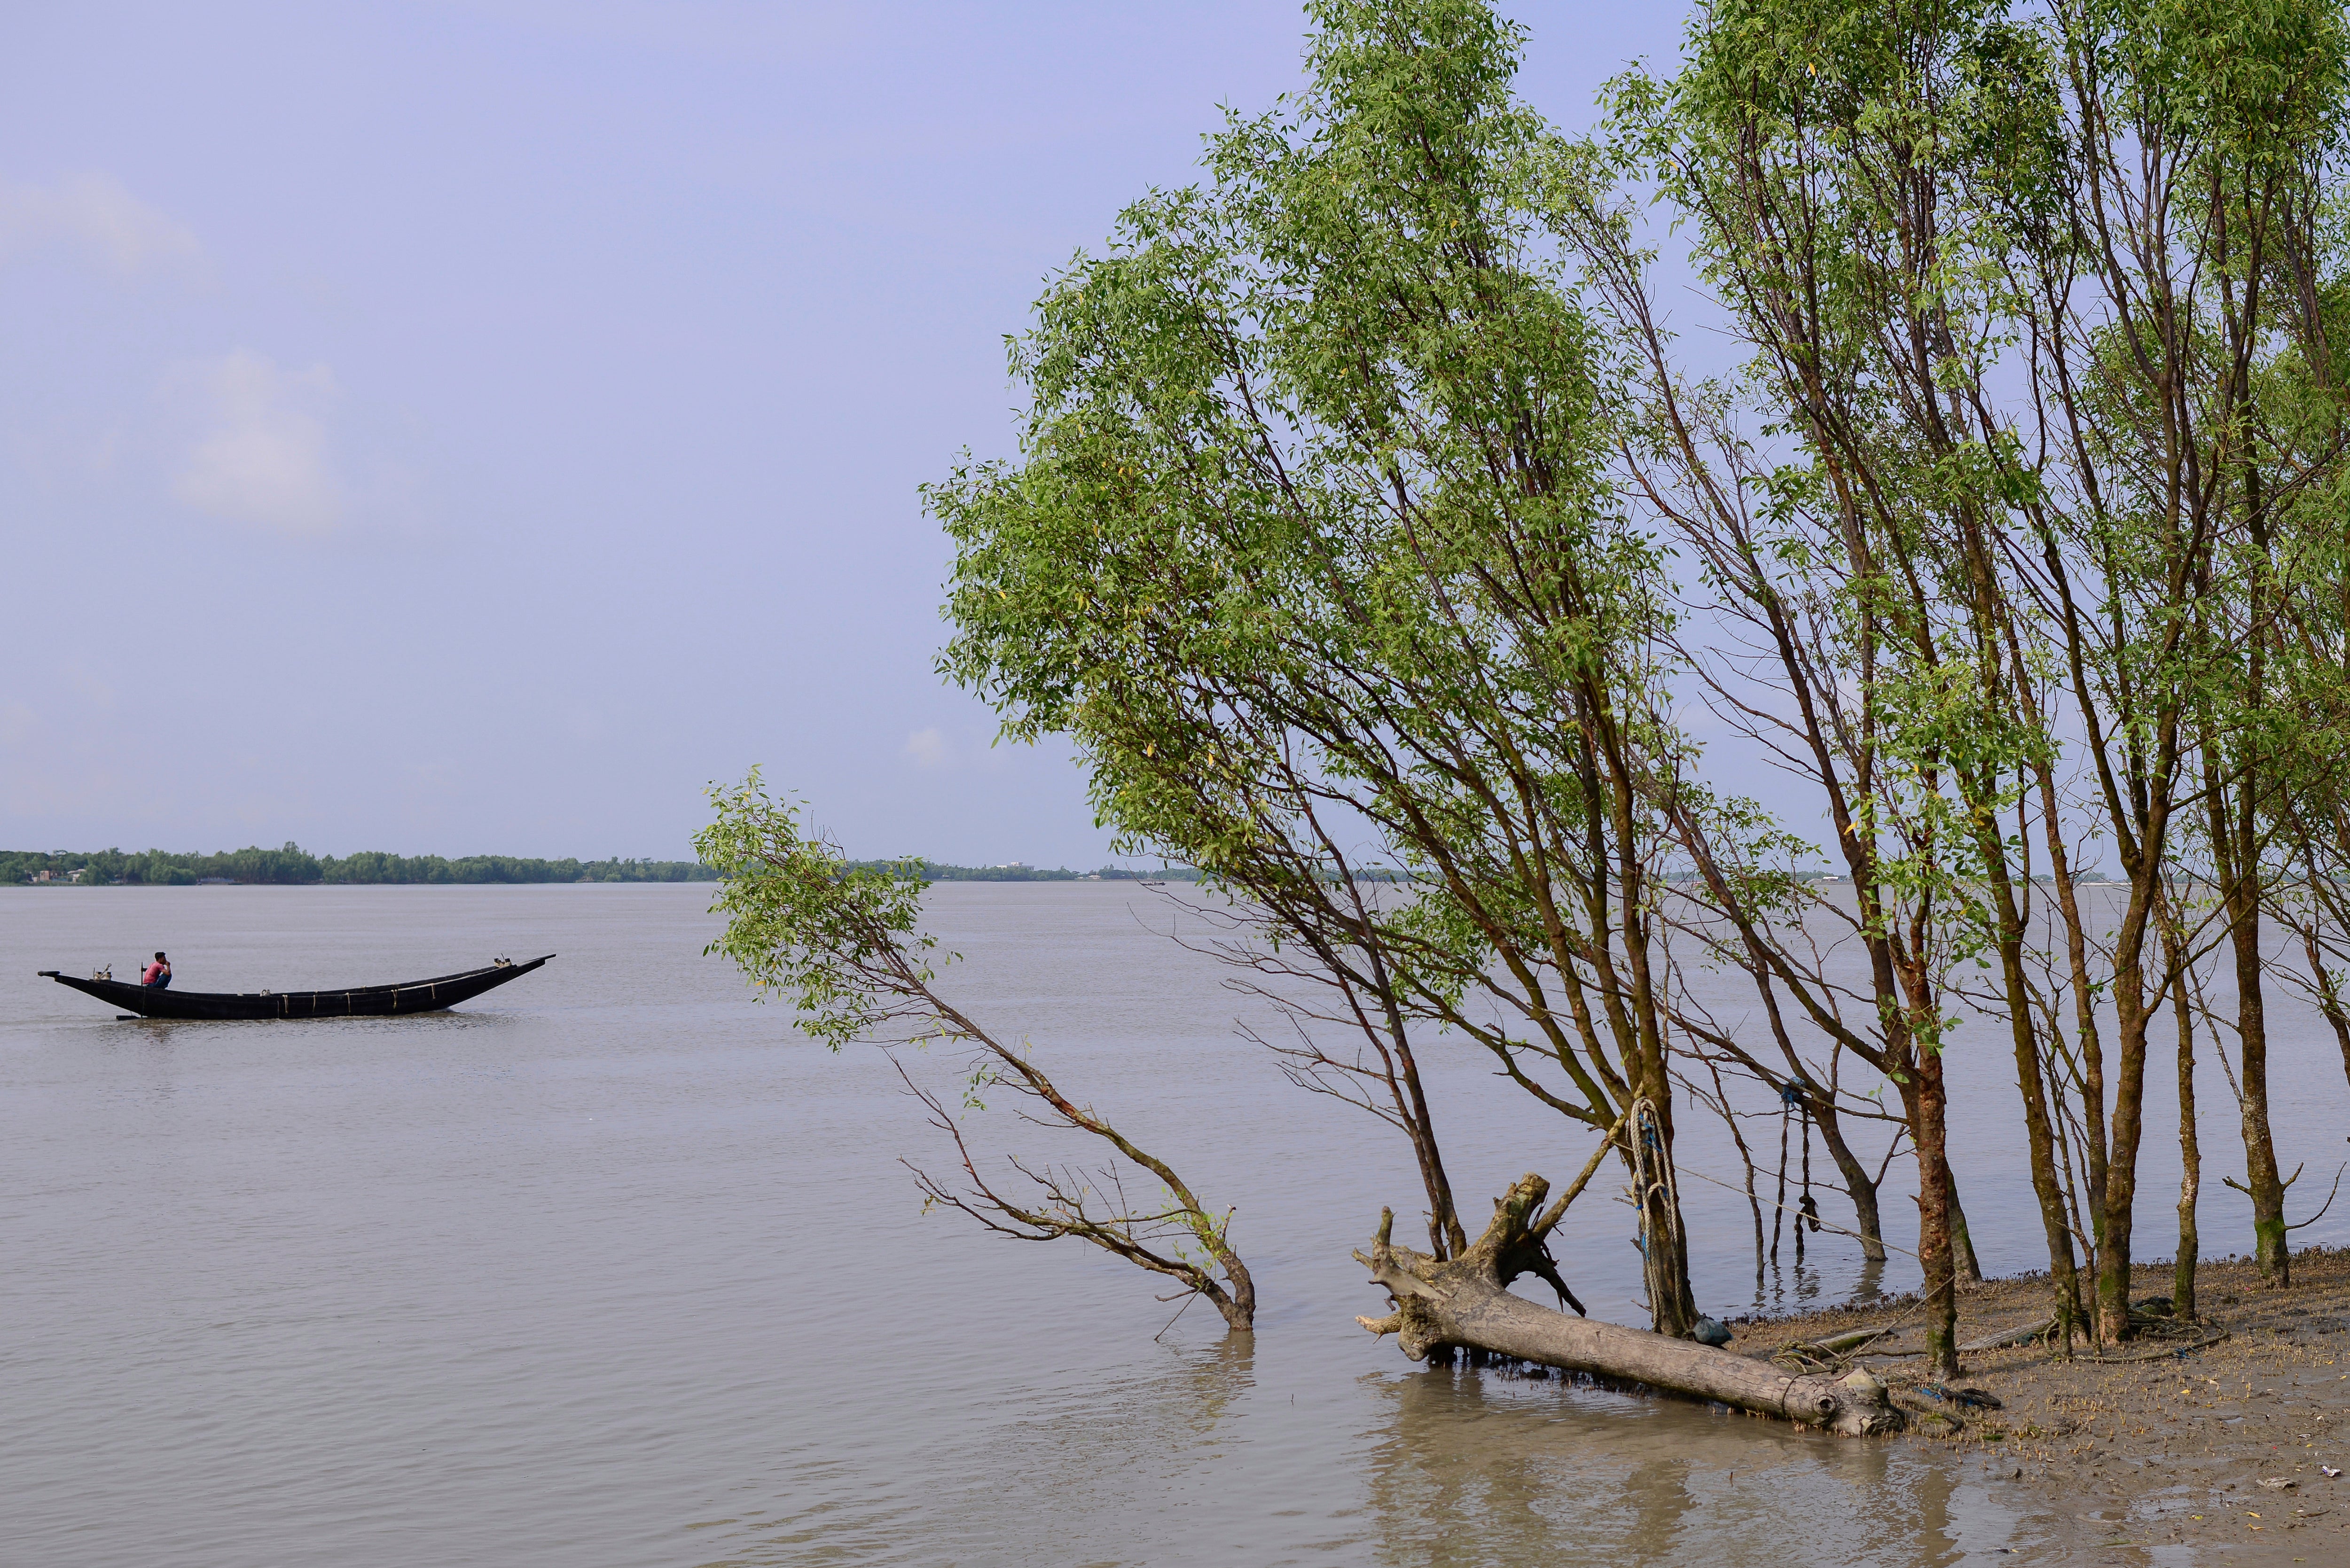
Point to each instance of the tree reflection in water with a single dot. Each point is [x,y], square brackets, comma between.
[1485,1466]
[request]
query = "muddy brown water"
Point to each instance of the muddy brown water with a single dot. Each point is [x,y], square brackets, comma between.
[610,1269]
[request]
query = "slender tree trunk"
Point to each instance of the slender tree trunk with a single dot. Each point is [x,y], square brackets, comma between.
[1808,1207]
[2240,867]
[1445,1232]
[2121,1171]
[2095,1128]
[1746,1158]
[2329,996]
[1857,1183]
[2191,1153]
[2064,1273]
[1664,1241]
[1927,1107]
[1779,1204]
[1672,1302]
[2271,1245]
[2085,1011]
[1962,1242]
[1755,1202]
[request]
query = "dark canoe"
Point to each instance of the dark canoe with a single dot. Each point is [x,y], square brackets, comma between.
[359,1002]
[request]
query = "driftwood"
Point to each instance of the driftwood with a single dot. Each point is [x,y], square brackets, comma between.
[1835,1351]
[1465,1302]
[2005,1337]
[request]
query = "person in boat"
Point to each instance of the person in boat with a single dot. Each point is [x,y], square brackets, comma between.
[157,975]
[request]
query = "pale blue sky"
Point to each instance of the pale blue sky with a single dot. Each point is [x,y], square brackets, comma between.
[459,428]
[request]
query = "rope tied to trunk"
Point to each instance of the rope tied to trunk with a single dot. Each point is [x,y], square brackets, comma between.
[1654,1186]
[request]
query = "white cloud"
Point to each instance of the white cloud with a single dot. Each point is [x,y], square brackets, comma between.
[95,214]
[263,454]
[927,749]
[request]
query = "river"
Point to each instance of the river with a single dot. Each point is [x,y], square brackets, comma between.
[610,1268]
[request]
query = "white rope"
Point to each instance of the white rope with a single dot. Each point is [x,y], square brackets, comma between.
[1652,1176]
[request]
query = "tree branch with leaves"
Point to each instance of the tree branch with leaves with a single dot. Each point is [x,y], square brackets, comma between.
[842,946]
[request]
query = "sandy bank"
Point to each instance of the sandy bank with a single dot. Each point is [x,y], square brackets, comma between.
[2185,1447]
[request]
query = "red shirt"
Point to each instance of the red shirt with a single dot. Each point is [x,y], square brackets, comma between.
[147,977]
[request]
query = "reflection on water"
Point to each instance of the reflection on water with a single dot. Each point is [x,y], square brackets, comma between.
[1487,1466]
[1802,1288]
[609,1269]
[191,1032]
[1061,1478]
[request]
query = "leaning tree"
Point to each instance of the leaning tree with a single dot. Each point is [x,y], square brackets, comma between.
[1309,551]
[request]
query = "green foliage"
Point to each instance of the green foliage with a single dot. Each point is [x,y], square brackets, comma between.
[841,942]
[1343,530]
[1311,551]
[2038,301]
[838,940]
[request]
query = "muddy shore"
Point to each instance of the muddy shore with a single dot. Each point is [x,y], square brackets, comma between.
[2222,1445]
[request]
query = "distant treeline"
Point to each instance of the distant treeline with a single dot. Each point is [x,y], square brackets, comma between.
[934,871]
[938,871]
[292,866]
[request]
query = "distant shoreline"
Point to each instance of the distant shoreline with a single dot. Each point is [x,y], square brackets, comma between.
[292,867]
[910,868]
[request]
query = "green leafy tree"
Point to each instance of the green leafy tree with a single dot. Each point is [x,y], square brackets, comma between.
[1309,552]
[2013,280]
[842,944]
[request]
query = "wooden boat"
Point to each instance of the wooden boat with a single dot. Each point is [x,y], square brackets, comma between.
[359,1002]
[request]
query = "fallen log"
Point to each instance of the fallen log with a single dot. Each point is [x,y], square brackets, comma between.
[1831,1354]
[2005,1337]
[1845,1344]
[1465,1302]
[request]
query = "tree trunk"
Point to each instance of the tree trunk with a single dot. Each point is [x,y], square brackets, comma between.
[1857,1183]
[2271,1245]
[2039,1128]
[2064,1269]
[1927,1104]
[1465,1302]
[2329,990]
[1962,1242]
[2191,1175]
[2085,1013]
[2238,835]
[1647,1144]
[2121,1167]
